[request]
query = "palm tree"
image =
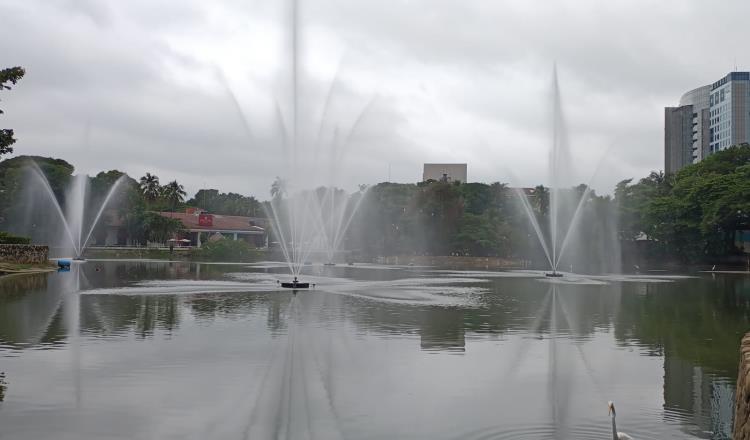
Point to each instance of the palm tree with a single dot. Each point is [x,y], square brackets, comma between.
[150,187]
[541,200]
[174,193]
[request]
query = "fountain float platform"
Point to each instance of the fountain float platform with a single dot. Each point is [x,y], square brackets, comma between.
[553,274]
[294,284]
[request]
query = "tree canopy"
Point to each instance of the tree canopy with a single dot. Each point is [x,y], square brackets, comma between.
[694,214]
[226,203]
[8,77]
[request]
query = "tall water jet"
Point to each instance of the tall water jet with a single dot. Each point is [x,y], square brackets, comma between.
[306,222]
[565,204]
[74,218]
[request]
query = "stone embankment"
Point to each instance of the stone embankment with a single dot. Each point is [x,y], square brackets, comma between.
[24,254]
[742,402]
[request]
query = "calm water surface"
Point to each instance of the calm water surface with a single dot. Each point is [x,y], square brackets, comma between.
[156,350]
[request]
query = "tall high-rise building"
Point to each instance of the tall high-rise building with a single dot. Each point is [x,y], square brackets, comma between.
[730,111]
[699,99]
[678,137]
[708,119]
[686,130]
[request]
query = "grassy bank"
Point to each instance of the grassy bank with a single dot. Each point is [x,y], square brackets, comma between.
[16,268]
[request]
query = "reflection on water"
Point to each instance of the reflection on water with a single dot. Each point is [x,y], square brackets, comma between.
[214,351]
[3,386]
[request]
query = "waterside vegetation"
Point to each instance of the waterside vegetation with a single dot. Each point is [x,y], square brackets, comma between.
[692,216]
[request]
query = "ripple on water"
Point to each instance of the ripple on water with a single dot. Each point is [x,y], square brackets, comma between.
[166,287]
[550,431]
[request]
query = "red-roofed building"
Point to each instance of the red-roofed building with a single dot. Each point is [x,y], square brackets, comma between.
[199,225]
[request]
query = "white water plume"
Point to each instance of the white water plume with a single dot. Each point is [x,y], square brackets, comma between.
[77,220]
[565,207]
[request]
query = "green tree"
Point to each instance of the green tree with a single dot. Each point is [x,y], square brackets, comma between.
[480,235]
[14,175]
[694,214]
[7,77]
[226,250]
[150,187]
[174,194]
[226,203]
[158,228]
[540,201]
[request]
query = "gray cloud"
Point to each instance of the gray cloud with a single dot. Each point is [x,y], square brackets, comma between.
[134,85]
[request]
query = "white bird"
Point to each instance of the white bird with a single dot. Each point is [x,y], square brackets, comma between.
[616,435]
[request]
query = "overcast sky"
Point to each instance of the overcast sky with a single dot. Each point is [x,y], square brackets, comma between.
[195,90]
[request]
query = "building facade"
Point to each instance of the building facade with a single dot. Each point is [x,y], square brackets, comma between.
[448,172]
[698,99]
[678,135]
[199,226]
[708,119]
[730,111]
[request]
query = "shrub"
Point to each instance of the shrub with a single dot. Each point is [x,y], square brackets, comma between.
[226,250]
[6,238]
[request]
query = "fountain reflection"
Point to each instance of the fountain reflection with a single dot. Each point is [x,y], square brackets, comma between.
[570,335]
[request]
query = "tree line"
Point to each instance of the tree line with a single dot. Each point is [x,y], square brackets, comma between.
[136,203]
[692,216]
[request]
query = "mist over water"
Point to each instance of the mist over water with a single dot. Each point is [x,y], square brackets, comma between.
[309,213]
[65,221]
[581,233]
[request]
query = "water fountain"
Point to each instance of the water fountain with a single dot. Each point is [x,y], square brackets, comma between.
[75,220]
[304,221]
[566,204]
[312,222]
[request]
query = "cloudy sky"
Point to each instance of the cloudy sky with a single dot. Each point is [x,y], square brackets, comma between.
[201,91]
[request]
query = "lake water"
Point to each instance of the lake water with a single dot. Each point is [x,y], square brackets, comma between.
[158,350]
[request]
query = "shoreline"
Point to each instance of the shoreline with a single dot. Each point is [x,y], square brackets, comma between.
[8,269]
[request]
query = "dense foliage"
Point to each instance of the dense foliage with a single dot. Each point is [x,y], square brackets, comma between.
[6,238]
[694,214]
[438,218]
[158,228]
[8,77]
[691,216]
[477,219]
[14,172]
[226,250]
[226,203]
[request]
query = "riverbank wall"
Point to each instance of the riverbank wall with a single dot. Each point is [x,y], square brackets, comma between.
[742,394]
[24,254]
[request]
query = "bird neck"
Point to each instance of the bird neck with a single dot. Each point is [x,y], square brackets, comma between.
[614,428]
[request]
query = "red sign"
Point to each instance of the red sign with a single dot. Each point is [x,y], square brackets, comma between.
[205,220]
